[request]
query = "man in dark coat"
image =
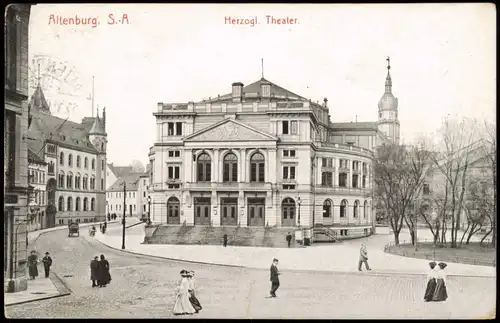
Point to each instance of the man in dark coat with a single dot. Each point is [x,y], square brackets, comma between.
[225,240]
[104,276]
[33,265]
[94,271]
[47,262]
[289,239]
[275,281]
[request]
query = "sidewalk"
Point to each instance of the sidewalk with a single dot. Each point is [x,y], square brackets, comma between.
[342,257]
[39,289]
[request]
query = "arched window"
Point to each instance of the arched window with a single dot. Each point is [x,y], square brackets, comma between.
[288,209]
[327,209]
[77,204]
[92,182]
[85,204]
[78,162]
[204,168]
[60,207]
[70,160]
[78,181]
[343,208]
[61,179]
[86,163]
[61,158]
[69,180]
[230,171]
[257,164]
[51,168]
[93,164]
[85,182]
[92,204]
[173,205]
[69,204]
[356,208]
[365,209]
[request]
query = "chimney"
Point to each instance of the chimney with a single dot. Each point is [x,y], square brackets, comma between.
[104,118]
[237,91]
[265,90]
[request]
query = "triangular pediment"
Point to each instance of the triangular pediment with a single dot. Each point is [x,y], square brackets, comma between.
[230,130]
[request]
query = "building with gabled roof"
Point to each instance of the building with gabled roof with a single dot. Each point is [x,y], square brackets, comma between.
[130,198]
[75,154]
[263,155]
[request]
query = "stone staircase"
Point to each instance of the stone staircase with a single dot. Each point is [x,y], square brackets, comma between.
[237,236]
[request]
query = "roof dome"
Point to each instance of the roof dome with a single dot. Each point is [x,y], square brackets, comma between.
[388,101]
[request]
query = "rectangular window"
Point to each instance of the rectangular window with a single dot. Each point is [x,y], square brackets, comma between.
[285,153]
[292,153]
[354,180]
[324,162]
[288,172]
[294,127]
[330,162]
[102,184]
[364,181]
[170,128]
[285,127]
[342,179]
[177,172]
[178,128]
[171,153]
[170,172]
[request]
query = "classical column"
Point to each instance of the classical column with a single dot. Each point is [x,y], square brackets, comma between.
[215,170]
[271,170]
[318,171]
[242,165]
[188,165]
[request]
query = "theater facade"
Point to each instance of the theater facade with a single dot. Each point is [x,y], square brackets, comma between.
[263,156]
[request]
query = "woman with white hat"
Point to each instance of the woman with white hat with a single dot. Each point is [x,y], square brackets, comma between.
[182,304]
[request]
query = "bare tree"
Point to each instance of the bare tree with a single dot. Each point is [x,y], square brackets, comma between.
[398,175]
[490,149]
[457,138]
[137,166]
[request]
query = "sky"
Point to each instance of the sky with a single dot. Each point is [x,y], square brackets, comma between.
[443,61]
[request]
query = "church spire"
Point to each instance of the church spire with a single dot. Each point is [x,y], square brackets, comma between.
[388,81]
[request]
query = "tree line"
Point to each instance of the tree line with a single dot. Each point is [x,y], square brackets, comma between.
[446,181]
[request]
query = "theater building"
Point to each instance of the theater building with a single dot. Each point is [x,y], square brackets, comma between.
[264,156]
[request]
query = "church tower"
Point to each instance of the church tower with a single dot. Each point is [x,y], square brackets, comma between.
[388,122]
[98,137]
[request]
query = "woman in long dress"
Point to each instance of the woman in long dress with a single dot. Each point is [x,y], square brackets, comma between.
[33,265]
[192,297]
[440,294]
[182,304]
[431,282]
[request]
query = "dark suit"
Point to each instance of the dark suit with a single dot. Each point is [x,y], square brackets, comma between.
[275,281]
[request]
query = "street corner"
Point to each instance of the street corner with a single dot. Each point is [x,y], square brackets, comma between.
[39,289]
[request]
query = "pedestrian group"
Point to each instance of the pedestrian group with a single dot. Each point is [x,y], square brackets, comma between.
[33,262]
[436,283]
[186,302]
[99,272]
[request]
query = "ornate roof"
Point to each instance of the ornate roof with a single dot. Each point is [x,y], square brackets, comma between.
[38,101]
[97,126]
[388,101]
[252,91]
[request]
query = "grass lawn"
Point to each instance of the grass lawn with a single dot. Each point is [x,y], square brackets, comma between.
[472,254]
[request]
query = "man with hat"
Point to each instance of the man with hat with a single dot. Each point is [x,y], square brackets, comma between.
[47,262]
[275,281]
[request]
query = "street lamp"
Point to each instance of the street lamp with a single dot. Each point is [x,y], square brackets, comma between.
[124,212]
[298,202]
[434,219]
[149,210]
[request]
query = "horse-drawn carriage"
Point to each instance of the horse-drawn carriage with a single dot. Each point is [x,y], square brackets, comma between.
[73,229]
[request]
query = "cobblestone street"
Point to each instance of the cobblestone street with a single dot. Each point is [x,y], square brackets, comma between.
[144,287]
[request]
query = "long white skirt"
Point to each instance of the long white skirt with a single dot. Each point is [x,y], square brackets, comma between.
[183,305]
